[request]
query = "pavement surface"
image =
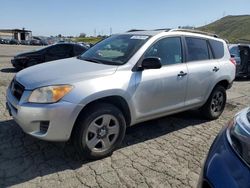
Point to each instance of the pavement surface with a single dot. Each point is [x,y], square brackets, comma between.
[166,152]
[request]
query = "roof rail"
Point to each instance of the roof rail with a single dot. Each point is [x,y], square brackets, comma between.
[163,29]
[134,30]
[196,31]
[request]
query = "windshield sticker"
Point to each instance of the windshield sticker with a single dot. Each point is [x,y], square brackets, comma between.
[139,37]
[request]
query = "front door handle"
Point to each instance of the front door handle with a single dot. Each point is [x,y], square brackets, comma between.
[182,74]
[215,69]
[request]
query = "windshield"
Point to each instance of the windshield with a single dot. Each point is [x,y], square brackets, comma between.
[115,50]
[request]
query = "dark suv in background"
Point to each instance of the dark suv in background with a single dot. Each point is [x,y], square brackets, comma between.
[241,53]
[50,53]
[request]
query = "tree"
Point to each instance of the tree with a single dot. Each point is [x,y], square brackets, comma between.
[83,35]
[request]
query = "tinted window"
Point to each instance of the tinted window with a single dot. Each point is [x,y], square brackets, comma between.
[217,48]
[60,49]
[168,49]
[79,50]
[197,49]
[235,51]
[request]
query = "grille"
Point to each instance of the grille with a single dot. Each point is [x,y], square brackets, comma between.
[16,89]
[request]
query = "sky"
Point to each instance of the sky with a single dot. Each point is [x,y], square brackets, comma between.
[72,17]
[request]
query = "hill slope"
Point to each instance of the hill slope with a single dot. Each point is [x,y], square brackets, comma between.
[231,28]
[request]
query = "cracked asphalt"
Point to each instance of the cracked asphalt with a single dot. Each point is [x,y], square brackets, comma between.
[166,152]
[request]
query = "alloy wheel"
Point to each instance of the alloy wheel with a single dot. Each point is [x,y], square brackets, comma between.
[217,102]
[102,133]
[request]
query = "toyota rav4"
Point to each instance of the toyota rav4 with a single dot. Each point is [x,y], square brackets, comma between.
[121,81]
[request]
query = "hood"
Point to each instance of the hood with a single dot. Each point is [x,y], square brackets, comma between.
[65,71]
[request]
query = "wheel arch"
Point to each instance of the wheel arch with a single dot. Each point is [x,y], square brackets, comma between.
[206,110]
[224,83]
[115,100]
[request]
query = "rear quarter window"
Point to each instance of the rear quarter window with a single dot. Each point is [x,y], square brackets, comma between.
[217,48]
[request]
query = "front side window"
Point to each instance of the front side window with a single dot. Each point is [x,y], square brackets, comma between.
[197,49]
[168,50]
[115,50]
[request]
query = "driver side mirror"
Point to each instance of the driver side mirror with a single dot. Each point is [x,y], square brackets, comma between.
[151,63]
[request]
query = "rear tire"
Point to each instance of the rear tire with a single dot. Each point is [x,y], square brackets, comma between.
[99,131]
[215,104]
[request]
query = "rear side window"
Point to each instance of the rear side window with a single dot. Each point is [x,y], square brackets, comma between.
[197,49]
[217,48]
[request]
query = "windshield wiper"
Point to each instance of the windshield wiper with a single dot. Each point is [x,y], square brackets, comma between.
[98,61]
[91,60]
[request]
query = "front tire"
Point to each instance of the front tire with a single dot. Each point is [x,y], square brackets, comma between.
[99,131]
[215,104]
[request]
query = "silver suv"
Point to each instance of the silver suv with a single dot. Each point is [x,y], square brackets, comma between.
[121,81]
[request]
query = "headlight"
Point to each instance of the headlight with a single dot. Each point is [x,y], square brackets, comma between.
[49,94]
[238,135]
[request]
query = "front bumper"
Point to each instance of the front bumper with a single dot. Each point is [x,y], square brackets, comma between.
[223,168]
[16,63]
[52,122]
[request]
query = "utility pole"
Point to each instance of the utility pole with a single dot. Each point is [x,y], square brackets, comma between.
[110,31]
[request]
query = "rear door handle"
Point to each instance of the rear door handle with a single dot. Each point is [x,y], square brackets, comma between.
[215,69]
[182,74]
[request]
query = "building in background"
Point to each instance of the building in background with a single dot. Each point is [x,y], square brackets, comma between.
[18,34]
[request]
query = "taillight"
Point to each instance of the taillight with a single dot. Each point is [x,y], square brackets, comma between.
[232,60]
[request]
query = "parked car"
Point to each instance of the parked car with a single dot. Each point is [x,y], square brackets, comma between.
[25,42]
[44,42]
[88,45]
[2,41]
[14,41]
[241,53]
[35,42]
[50,53]
[6,41]
[228,160]
[121,81]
